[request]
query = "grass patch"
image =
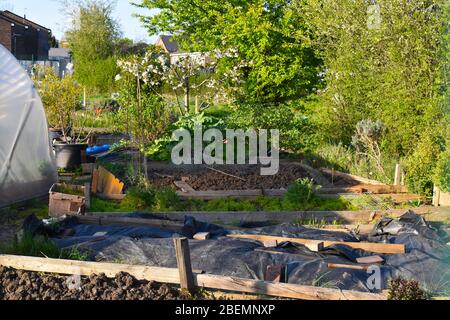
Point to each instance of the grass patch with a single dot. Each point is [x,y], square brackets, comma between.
[18,212]
[39,246]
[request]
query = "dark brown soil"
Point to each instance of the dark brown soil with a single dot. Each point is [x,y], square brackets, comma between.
[206,179]
[24,285]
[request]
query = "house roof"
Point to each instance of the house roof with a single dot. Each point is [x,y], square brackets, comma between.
[59,53]
[21,20]
[169,43]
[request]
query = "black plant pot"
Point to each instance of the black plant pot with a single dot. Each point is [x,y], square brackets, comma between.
[68,156]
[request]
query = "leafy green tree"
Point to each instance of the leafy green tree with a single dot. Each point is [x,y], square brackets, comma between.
[384,61]
[278,66]
[92,39]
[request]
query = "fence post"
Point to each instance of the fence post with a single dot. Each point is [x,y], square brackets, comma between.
[398,175]
[184,264]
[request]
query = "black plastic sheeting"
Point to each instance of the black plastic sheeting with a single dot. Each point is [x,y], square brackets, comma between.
[427,257]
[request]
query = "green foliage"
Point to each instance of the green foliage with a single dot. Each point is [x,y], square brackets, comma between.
[149,198]
[147,121]
[402,289]
[296,129]
[442,172]
[100,205]
[92,39]
[60,97]
[419,167]
[160,149]
[39,246]
[393,71]
[277,65]
[298,194]
[346,159]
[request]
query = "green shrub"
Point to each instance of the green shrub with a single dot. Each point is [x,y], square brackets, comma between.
[149,198]
[100,205]
[296,130]
[442,171]
[166,200]
[138,199]
[298,194]
[420,165]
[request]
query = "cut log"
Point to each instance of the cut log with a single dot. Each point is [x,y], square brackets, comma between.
[367,246]
[171,275]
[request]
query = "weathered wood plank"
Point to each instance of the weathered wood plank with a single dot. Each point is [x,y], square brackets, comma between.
[388,248]
[346,266]
[171,275]
[130,221]
[184,186]
[293,291]
[345,217]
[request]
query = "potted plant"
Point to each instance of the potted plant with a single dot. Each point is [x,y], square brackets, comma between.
[61,99]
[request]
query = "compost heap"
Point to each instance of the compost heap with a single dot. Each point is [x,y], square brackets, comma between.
[427,257]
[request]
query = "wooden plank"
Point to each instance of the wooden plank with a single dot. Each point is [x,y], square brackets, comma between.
[201,236]
[370,260]
[315,246]
[184,264]
[286,290]
[364,188]
[87,195]
[367,246]
[184,186]
[171,275]
[398,175]
[218,194]
[130,221]
[395,192]
[94,180]
[344,217]
[347,266]
[85,268]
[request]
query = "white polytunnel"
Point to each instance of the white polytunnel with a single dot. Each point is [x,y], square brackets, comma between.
[27,167]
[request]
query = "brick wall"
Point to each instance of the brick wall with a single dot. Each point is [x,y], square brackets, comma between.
[5,33]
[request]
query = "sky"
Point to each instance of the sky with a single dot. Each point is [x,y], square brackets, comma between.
[47,13]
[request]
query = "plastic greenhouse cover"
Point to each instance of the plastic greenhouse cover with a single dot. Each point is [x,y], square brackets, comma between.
[27,168]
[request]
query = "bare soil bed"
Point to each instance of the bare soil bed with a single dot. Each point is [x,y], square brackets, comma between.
[243,177]
[24,285]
